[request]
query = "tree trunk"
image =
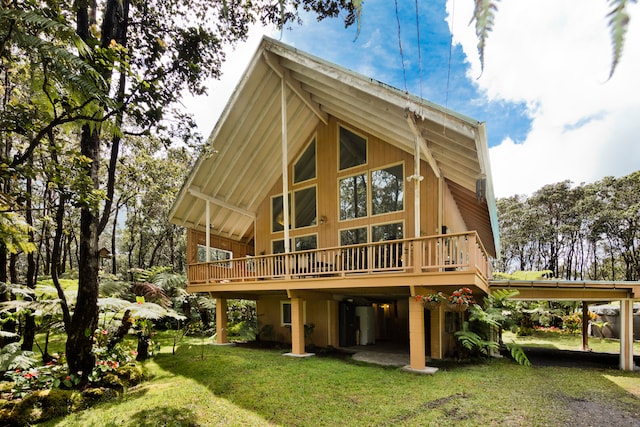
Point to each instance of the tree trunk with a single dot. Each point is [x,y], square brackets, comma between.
[13,270]
[3,263]
[29,334]
[85,316]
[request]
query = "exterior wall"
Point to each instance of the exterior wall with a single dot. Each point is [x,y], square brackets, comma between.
[452,218]
[380,154]
[318,312]
[195,238]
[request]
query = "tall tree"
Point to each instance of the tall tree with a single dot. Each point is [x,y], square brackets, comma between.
[120,72]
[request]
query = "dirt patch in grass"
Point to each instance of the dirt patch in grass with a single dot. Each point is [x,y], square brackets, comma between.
[454,414]
[584,412]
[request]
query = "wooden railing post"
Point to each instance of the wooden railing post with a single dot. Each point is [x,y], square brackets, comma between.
[473,250]
[417,255]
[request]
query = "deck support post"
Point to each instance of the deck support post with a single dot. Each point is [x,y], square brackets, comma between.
[626,335]
[416,334]
[297,326]
[221,321]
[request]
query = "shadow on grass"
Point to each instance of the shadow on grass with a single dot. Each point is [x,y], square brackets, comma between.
[162,417]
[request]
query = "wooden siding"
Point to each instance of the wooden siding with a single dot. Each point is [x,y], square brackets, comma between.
[195,238]
[380,154]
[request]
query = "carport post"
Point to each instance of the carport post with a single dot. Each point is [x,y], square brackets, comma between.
[626,335]
[585,326]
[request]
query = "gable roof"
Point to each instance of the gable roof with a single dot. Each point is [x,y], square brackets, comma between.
[243,162]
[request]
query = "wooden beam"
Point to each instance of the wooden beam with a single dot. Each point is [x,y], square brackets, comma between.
[411,119]
[195,192]
[308,294]
[295,86]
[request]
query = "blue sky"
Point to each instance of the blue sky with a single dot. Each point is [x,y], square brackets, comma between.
[551,112]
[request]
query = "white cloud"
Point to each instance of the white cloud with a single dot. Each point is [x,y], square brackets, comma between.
[555,56]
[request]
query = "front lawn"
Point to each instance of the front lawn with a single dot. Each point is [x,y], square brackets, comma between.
[205,385]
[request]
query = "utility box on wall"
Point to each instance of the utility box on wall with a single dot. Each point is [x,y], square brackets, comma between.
[367,325]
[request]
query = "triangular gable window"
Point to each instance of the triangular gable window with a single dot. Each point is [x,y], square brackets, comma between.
[305,167]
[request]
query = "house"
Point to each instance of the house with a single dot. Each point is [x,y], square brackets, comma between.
[388,196]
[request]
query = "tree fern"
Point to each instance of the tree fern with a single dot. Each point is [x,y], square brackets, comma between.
[618,24]
[484,15]
[11,357]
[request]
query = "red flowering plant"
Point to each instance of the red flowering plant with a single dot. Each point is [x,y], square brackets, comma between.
[463,296]
[435,298]
[52,375]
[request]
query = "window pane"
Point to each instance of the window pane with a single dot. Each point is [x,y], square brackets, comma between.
[277,218]
[305,208]
[353,149]
[277,247]
[387,192]
[305,243]
[353,197]
[353,236]
[305,167]
[286,313]
[386,232]
[215,254]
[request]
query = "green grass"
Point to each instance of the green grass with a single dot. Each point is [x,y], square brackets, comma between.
[565,341]
[206,385]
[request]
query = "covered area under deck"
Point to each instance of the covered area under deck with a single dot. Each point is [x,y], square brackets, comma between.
[425,337]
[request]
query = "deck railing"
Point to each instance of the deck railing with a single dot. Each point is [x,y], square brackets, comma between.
[442,253]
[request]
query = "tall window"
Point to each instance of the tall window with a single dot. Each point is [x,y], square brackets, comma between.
[353,149]
[277,214]
[304,210]
[305,207]
[305,167]
[353,197]
[387,190]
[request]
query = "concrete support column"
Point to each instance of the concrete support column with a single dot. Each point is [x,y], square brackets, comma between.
[416,334]
[297,326]
[221,321]
[437,328]
[626,335]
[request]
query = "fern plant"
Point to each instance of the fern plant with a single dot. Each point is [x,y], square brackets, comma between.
[493,317]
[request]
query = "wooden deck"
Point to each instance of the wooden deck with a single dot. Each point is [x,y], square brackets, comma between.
[442,254]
